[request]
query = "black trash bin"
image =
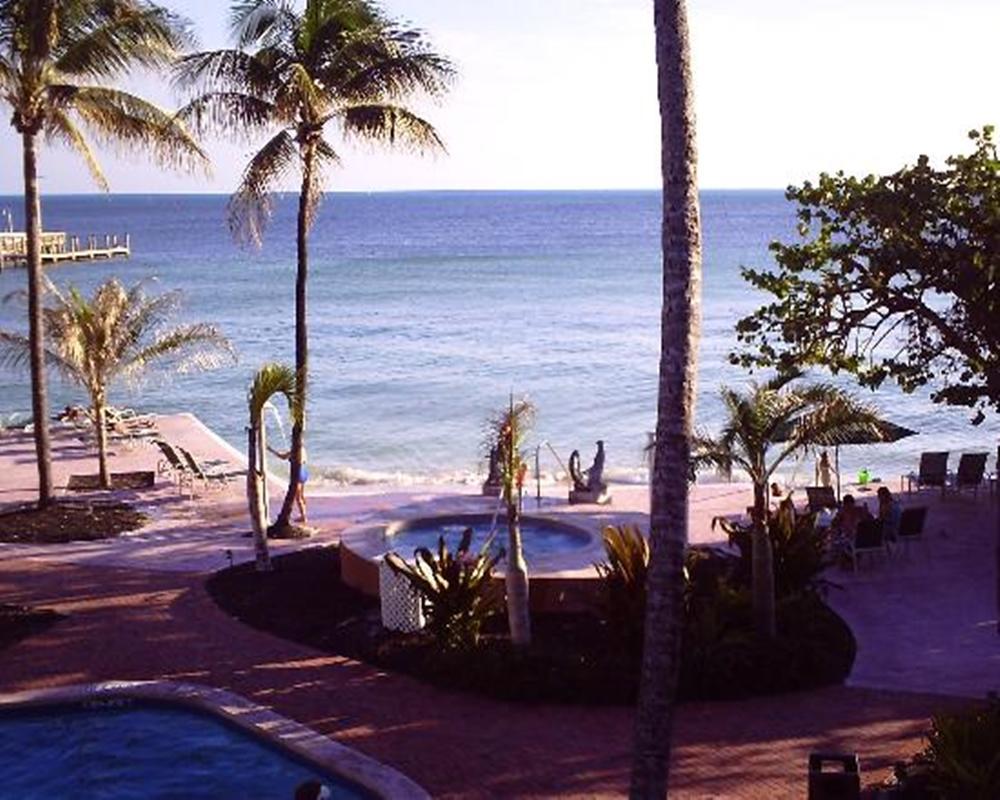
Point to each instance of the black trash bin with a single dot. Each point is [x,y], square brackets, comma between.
[834,776]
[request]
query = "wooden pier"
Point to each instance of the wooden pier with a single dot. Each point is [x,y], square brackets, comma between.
[58,247]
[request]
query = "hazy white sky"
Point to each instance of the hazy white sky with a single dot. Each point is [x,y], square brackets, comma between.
[561,94]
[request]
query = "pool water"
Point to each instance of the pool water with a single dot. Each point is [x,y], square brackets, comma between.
[143,752]
[539,537]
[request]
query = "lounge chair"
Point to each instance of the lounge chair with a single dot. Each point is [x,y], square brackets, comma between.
[210,479]
[971,470]
[911,525]
[821,498]
[172,464]
[869,539]
[933,471]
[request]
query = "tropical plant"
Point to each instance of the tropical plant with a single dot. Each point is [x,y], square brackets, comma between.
[270,380]
[765,424]
[294,74]
[963,750]
[508,430]
[55,57]
[456,589]
[623,578]
[798,548]
[679,327]
[117,333]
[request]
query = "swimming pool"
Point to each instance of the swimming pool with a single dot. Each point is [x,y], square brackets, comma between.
[540,537]
[142,750]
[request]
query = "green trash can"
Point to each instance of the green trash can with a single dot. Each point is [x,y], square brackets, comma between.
[834,776]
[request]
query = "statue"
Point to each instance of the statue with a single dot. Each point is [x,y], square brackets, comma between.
[494,481]
[589,486]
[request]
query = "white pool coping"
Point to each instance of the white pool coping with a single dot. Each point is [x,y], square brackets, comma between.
[258,721]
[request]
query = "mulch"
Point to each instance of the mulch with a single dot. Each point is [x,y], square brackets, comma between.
[65,521]
[144,479]
[20,622]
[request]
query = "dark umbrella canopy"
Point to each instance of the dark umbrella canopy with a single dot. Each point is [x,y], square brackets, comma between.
[880,433]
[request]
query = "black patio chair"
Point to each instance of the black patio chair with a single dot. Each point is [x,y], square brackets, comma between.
[971,471]
[869,539]
[933,471]
[820,498]
[911,525]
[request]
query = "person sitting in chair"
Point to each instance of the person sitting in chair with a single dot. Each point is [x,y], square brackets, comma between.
[890,512]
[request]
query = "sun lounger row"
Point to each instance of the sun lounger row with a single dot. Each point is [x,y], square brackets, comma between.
[933,472]
[187,471]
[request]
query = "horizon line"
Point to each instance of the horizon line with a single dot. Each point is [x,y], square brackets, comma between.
[170,193]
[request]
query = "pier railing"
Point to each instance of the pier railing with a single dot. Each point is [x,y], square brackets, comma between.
[58,247]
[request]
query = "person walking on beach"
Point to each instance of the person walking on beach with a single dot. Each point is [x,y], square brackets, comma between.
[824,470]
[300,485]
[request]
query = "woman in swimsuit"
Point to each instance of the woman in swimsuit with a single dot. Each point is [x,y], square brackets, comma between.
[300,484]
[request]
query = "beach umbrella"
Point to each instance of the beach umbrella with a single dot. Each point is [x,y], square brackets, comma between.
[882,433]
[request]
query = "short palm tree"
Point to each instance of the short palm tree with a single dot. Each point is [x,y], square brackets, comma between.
[270,380]
[117,333]
[55,58]
[294,75]
[508,430]
[766,424]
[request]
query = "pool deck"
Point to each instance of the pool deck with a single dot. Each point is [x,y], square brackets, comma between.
[137,610]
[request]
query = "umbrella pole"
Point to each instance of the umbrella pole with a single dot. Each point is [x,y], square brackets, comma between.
[836,461]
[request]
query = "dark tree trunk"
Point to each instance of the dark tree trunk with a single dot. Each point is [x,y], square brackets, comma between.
[36,322]
[762,567]
[283,522]
[100,421]
[681,235]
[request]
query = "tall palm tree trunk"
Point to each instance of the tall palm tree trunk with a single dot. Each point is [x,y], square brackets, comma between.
[762,567]
[100,423]
[516,581]
[301,333]
[255,487]
[681,237]
[36,332]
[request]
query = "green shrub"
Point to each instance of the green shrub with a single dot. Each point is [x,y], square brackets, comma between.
[623,578]
[963,753]
[456,589]
[799,550]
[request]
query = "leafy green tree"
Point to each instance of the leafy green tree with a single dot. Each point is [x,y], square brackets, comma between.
[55,58]
[765,424]
[117,333]
[679,332]
[894,278]
[270,380]
[294,75]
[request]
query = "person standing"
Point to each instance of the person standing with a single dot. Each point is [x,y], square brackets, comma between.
[303,477]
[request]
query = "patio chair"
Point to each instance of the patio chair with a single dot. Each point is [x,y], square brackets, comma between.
[911,525]
[869,539]
[210,479]
[971,471]
[933,471]
[820,498]
[171,464]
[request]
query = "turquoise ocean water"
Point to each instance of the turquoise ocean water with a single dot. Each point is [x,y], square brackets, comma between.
[428,309]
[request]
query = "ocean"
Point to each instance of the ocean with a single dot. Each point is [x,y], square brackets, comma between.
[427,310]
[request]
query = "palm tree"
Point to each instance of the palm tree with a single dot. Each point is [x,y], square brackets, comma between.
[766,423]
[117,333]
[54,56]
[271,379]
[293,74]
[507,431]
[679,331]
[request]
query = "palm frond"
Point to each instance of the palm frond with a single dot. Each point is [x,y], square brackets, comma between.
[269,380]
[124,121]
[115,36]
[250,207]
[60,126]
[184,349]
[391,125]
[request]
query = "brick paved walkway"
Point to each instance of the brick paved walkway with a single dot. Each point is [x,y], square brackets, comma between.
[128,624]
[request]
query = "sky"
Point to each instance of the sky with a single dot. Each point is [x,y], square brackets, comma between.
[561,94]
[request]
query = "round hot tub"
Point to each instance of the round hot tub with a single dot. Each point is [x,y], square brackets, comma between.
[560,555]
